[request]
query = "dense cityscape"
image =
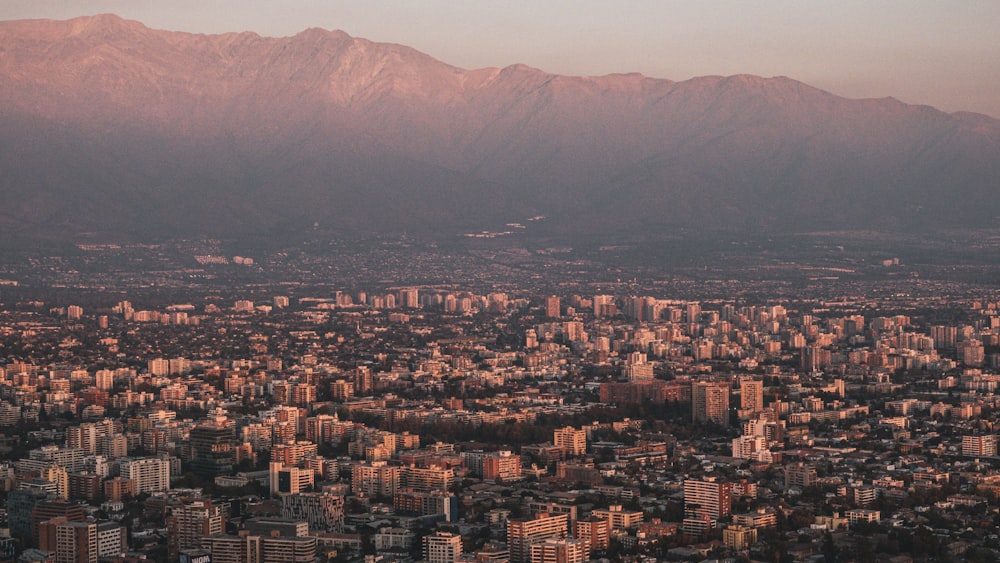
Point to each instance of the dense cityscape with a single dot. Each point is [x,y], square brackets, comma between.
[499,282]
[181,402]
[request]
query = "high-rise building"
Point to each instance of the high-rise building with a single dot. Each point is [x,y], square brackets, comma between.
[409,298]
[551,507]
[320,429]
[112,539]
[595,531]
[363,380]
[751,447]
[244,548]
[635,308]
[501,466]
[493,553]
[58,475]
[85,436]
[944,336]
[442,547]
[9,414]
[213,449]
[709,499]
[523,533]
[800,475]
[604,306]
[496,302]
[375,479]
[284,527]
[760,518]
[290,550]
[302,394]
[323,511]
[75,542]
[473,459]
[751,396]
[765,426]
[112,446]
[158,367]
[149,475]
[427,478]
[692,312]
[815,357]
[637,368]
[560,551]
[619,518]
[979,446]
[47,488]
[971,353]
[739,538]
[710,403]
[20,506]
[179,366]
[294,453]
[71,458]
[289,479]
[409,501]
[50,508]
[251,547]
[85,485]
[189,522]
[552,309]
[118,488]
[573,442]
[573,331]
[104,379]
[341,390]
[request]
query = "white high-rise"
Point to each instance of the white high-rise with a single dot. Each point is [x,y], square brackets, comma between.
[149,475]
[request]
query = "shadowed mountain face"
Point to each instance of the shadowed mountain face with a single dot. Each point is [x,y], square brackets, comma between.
[108,126]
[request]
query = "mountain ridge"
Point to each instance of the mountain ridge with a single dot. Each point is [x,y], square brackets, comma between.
[198,133]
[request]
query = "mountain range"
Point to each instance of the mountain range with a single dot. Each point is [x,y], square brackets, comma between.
[110,128]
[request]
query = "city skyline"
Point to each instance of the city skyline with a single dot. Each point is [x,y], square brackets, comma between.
[285,403]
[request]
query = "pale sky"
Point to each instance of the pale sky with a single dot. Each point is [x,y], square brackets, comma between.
[945,53]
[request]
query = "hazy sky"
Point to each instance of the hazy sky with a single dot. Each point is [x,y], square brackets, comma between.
[945,53]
